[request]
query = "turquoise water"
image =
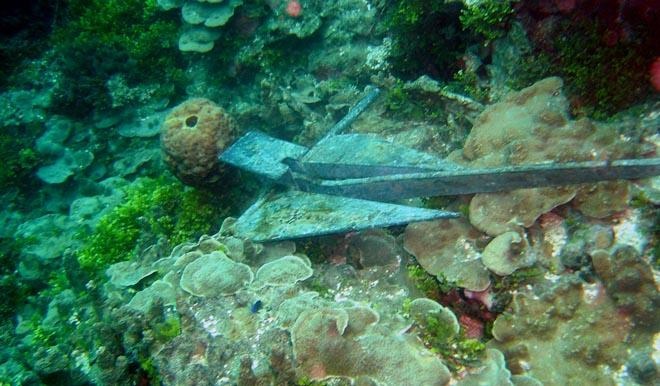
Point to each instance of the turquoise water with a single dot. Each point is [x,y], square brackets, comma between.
[285,192]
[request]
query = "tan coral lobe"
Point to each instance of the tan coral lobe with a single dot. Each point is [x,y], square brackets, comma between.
[192,136]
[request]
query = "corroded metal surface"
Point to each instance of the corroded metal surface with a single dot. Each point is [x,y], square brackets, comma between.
[295,214]
[468,181]
[332,181]
[261,154]
[366,155]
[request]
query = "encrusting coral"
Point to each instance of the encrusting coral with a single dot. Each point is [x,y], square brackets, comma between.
[192,136]
[533,126]
[447,249]
[629,281]
[563,333]
[340,342]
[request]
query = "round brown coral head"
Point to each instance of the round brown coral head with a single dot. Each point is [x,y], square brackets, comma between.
[192,136]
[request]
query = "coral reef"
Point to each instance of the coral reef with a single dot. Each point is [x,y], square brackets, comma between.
[201,18]
[342,342]
[561,333]
[106,279]
[532,126]
[294,333]
[192,136]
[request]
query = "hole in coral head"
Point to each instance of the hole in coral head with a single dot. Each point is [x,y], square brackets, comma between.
[191,121]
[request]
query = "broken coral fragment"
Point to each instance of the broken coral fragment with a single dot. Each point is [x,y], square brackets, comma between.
[506,253]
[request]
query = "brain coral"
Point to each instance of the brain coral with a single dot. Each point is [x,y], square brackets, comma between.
[192,136]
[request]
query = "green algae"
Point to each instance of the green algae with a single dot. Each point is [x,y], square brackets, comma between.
[168,329]
[18,157]
[602,79]
[153,208]
[487,17]
[431,286]
[102,38]
[426,37]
